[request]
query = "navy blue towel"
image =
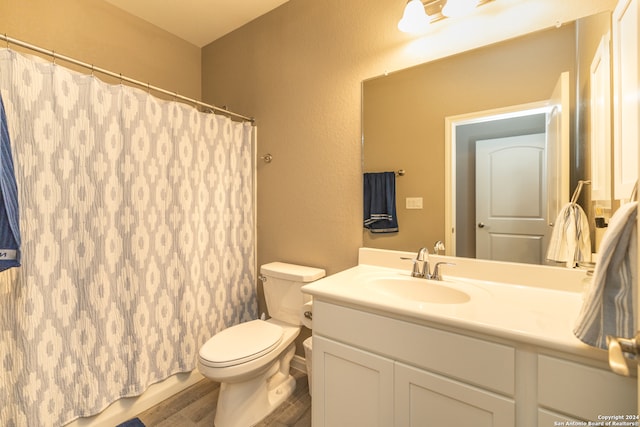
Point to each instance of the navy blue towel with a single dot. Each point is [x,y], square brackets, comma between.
[135,422]
[380,202]
[9,217]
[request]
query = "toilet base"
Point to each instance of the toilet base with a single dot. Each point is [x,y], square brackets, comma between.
[246,403]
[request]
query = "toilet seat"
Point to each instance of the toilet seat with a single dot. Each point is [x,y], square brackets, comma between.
[240,344]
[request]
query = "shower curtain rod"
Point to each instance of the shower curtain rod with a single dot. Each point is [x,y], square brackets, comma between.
[54,55]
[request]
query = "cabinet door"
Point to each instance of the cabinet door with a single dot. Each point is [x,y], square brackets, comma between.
[582,391]
[424,399]
[625,105]
[600,84]
[351,387]
[548,418]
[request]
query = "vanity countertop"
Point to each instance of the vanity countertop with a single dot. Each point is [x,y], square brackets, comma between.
[541,315]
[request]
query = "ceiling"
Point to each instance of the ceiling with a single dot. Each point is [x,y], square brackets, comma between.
[198,21]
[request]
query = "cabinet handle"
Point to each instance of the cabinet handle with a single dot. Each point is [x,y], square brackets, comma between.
[481,225]
[617,349]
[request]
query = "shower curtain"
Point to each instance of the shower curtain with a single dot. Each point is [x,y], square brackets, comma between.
[137,222]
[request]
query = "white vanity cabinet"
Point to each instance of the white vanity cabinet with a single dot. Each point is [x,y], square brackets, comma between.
[373,370]
[360,388]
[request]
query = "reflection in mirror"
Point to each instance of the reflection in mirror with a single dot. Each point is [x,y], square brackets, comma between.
[500,183]
[403,123]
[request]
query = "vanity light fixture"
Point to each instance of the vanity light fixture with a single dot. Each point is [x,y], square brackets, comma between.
[418,14]
[455,8]
[414,19]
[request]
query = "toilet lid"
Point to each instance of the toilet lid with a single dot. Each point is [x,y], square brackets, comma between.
[240,343]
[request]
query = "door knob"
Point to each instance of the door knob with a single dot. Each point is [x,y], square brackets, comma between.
[481,225]
[617,349]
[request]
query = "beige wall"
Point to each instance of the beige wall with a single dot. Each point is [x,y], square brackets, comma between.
[299,69]
[95,32]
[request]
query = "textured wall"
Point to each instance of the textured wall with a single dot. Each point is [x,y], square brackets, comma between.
[96,32]
[299,69]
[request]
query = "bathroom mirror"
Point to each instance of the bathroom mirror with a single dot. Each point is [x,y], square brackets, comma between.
[404,113]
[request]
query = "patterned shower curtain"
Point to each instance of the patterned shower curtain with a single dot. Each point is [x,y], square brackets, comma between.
[137,222]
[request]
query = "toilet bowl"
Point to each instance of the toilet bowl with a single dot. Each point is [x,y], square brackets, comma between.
[252,360]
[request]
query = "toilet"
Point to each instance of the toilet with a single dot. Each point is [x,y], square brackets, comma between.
[251,360]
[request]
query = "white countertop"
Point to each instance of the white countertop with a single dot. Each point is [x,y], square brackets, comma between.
[539,315]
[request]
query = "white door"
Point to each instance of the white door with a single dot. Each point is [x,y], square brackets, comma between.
[511,199]
[626,84]
[626,78]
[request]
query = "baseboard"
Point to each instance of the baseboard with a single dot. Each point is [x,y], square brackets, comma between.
[129,407]
[299,363]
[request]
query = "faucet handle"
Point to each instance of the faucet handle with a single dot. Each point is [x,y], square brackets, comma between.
[436,270]
[437,247]
[417,271]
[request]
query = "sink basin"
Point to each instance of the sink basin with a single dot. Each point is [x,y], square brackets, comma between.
[414,289]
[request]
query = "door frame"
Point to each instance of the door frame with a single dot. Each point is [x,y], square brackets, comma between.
[451,125]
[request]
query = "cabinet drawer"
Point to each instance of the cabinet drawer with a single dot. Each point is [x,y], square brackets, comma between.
[583,391]
[479,362]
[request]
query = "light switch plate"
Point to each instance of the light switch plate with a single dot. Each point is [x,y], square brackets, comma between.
[413,202]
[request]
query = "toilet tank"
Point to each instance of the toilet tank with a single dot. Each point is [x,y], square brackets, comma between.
[282,283]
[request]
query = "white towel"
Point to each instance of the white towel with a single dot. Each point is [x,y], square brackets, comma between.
[608,306]
[570,240]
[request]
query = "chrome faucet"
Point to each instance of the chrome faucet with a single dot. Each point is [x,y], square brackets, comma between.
[421,266]
[420,263]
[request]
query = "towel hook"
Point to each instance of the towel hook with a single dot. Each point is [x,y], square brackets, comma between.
[267,158]
[576,193]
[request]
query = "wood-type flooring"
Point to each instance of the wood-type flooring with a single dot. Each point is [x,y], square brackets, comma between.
[196,407]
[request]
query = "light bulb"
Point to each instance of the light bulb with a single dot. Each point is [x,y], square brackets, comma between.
[455,8]
[414,19]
